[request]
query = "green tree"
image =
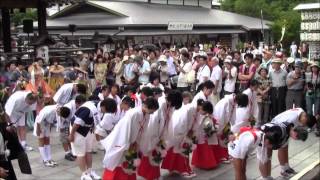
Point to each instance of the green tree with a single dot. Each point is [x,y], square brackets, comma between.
[280,12]
[17,17]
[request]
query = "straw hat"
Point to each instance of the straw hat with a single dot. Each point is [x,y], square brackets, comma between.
[315,64]
[277,60]
[304,60]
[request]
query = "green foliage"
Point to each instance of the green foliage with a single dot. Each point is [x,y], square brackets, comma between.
[17,17]
[280,12]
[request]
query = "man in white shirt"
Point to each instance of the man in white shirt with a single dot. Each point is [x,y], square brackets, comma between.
[230,74]
[216,78]
[143,69]
[184,68]
[203,71]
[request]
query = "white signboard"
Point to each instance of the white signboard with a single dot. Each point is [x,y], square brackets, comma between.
[310,36]
[310,25]
[310,15]
[180,26]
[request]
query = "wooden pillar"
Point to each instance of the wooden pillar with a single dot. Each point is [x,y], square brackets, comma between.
[42,16]
[6,29]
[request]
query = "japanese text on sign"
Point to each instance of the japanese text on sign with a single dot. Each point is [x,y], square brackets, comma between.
[180,26]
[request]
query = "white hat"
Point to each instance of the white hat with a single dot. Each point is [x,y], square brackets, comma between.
[227,60]
[290,60]
[125,58]
[162,58]
[228,57]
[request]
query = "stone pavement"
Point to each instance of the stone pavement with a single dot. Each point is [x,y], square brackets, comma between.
[301,155]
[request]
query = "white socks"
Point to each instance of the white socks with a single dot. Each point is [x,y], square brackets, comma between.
[284,167]
[43,153]
[47,149]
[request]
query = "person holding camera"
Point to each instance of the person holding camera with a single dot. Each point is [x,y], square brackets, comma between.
[295,82]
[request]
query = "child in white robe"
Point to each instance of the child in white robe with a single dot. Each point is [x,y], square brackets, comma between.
[108,108]
[122,144]
[204,155]
[253,108]
[206,90]
[224,113]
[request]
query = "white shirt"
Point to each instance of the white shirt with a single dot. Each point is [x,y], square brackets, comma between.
[199,95]
[216,75]
[229,84]
[252,107]
[289,116]
[116,98]
[16,105]
[203,73]
[182,79]
[64,94]
[144,78]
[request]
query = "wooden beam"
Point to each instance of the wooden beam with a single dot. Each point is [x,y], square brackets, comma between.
[42,18]
[6,29]
[18,4]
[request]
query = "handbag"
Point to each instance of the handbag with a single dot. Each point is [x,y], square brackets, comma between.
[191,76]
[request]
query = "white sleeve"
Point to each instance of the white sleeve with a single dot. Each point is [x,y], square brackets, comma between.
[206,72]
[79,121]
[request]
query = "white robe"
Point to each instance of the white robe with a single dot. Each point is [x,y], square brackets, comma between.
[241,119]
[179,126]
[289,116]
[125,133]
[224,112]
[252,107]
[46,116]
[16,106]
[64,93]
[199,95]
[116,98]
[106,124]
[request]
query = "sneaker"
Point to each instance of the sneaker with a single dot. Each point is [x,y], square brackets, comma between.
[188,175]
[291,171]
[286,174]
[86,177]
[53,162]
[69,157]
[27,148]
[94,175]
[48,164]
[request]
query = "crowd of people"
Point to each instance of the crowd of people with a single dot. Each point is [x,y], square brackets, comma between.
[150,108]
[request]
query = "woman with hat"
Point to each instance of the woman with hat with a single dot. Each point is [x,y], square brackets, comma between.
[263,96]
[163,69]
[313,89]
